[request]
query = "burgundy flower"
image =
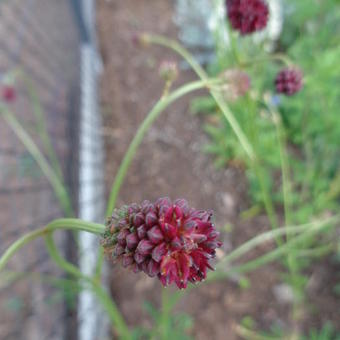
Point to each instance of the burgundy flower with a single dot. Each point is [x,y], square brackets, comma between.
[165,239]
[247,16]
[289,81]
[8,93]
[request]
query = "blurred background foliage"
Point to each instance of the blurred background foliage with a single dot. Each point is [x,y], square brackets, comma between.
[310,39]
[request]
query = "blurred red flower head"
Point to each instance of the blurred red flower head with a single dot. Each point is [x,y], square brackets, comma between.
[247,16]
[8,93]
[289,81]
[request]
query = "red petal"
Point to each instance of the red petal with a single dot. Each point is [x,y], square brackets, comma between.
[153,268]
[138,220]
[198,238]
[145,247]
[183,204]
[179,213]
[141,231]
[155,235]
[150,219]
[170,230]
[159,251]
[176,243]
[139,258]
[127,260]
[169,214]
[183,267]
[132,241]
[121,237]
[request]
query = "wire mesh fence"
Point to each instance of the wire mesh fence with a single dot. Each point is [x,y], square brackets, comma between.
[42,41]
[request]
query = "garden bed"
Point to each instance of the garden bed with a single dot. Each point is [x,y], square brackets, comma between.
[170,163]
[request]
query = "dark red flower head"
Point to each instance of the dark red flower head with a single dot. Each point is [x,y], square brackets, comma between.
[247,16]
[289,81]
[165,239]
[8,93]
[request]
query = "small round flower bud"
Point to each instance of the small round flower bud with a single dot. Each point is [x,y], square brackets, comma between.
[247,16]
[175,243]
[168,71]
[140,40]
[236,83]
[289,81]
[8,93]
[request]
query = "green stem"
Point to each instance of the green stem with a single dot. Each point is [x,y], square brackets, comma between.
[286,187]
[317,252]
[45,167]
[98,290]
[19,244]
[75,225]
[117,319]
[64,223]
[268,236]
[267,201]
[223,271]
[165,316]
[275,254]
[334,190]
[58,259]
[292,262]
[161,105]
[258,168]
[279,57]
[233,47]
[159,40]
[9,277]
[41,123]
[250,334]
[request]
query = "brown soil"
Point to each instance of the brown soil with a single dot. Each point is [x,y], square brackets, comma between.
[170,163]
